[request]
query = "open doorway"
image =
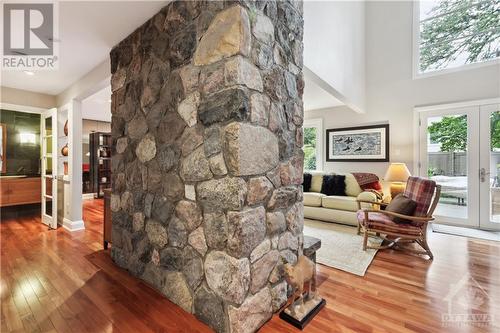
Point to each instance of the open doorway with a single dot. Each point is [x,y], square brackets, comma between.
[96,150]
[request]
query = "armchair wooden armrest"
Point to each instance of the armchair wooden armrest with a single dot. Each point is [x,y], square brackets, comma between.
[417,219]
[378,203]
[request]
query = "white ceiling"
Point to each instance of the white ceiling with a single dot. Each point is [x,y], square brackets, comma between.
[98,105]
[316,97]
[87,32]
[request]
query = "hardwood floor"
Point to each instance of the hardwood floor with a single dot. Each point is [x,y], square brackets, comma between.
[56,281]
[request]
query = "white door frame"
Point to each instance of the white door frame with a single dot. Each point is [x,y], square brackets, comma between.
[472,220]
[484,155]
[473,168]
[50,220]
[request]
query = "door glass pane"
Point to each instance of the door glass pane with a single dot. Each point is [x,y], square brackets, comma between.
[48,126]
[447,162]
[48,186]
[48,207]
[48,165]
[494,167]
[310,138]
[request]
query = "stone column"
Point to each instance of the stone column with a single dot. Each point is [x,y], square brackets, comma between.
[207,163]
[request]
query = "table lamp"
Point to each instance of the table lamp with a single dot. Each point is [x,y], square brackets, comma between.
[397,174]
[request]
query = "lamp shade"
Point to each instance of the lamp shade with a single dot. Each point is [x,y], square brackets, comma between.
[397,172]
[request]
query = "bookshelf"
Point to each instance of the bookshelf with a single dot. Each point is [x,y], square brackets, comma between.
[100,162]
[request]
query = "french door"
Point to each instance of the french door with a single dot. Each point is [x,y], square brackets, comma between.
[48,136]
[489,167]
[460,150]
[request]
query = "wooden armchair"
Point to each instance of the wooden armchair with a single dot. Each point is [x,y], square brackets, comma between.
[426,194]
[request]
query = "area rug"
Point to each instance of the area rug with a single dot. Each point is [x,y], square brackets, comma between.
[341,247]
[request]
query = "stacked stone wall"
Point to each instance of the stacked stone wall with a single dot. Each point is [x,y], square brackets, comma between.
[207,165]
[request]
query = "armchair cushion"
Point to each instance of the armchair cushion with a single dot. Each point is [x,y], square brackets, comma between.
[421,191]
[401,205]
[382,222]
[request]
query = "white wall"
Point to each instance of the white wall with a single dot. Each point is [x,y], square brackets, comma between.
[392,93]
[334,47]
[26,98]
[90,83]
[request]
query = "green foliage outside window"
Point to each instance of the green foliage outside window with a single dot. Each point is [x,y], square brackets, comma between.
[460,30]
[309,148]
[451,132]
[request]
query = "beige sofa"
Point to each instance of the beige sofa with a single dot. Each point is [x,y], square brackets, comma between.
[337,209]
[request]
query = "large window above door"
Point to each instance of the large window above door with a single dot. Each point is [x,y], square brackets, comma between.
[455,34]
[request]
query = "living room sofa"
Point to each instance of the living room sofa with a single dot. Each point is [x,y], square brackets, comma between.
[335,208]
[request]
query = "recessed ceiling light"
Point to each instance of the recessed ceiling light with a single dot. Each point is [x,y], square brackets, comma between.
[29,73]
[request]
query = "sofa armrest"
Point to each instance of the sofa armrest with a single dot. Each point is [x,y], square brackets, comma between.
[367,199]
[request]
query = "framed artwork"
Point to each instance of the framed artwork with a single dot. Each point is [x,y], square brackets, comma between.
[358,144]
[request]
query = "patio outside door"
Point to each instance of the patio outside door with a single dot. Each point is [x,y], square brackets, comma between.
[49,167]
[460,150]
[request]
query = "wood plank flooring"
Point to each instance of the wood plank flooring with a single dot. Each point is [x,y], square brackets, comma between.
[56,281]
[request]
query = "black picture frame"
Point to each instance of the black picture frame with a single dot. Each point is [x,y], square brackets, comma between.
[383,157]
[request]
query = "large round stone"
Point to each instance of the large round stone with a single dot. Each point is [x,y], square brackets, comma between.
[177,290]
[222,194]
[246,230]
[227,276]
[195,167]
[157,233]
[227,35]
[250,150]
[209,308]
[189,213]
[252,314]
[146,149]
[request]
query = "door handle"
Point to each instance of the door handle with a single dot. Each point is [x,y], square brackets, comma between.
[483,174]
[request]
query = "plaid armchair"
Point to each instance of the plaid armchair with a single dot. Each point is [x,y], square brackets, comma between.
[426,194]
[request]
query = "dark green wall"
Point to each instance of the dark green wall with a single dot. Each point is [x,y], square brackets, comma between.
[22,159]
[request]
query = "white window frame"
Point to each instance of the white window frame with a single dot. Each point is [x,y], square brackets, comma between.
[416,52]
[318,124]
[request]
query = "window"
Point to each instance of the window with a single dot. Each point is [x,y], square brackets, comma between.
[455,33]
[313,143]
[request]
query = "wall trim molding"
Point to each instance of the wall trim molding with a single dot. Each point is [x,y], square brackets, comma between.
[22,108]
[73,225]
[444,106]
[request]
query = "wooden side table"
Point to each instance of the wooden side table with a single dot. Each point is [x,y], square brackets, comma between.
[107,218]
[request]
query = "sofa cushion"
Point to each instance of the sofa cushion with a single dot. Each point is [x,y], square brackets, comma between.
[313,199]
[316,182]
[333,185]
[306,184]
[340,202]
[352,188]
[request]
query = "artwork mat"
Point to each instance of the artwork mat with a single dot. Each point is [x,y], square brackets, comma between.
[384,143]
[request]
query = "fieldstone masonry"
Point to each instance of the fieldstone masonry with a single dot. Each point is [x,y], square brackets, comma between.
[207,164]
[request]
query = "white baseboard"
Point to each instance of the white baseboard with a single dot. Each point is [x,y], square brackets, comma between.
[73,225]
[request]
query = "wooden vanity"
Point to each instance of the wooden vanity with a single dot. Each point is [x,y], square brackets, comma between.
[20,190]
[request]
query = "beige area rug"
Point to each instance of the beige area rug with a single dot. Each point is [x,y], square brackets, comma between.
[341,247]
